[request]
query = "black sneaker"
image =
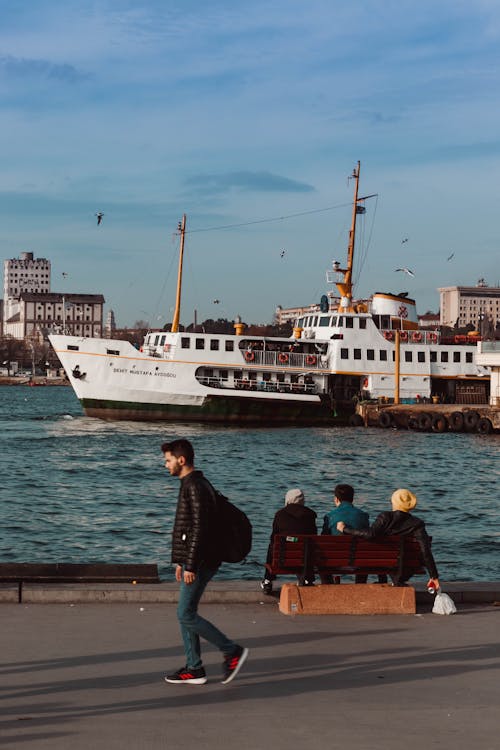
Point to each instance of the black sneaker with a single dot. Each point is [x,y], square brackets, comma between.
[266,586]
[192,676]
[233,664]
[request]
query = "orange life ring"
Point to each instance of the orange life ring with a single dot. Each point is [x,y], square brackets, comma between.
[389,335]
[311,359]
[249,356]
[433,337]
[416,336]
[283,358]
[403,335]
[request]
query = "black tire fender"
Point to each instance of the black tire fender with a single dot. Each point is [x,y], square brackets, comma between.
[484,426]
[412,422]
[471,419]
[424,421]
[456,421]
[385,419]
[439,423]
[356,420]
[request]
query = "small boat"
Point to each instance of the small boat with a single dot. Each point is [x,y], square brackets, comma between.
[343,351]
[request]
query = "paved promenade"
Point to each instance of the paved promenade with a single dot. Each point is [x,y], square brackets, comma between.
[80,676]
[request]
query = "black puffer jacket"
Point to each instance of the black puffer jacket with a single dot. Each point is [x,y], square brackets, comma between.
[398,522]
[294,519]
[195,526]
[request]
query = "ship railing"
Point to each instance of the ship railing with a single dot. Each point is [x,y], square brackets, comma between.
[303,360]
[412,337]
[267,386]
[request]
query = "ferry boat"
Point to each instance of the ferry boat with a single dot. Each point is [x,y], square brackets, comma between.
[344,351]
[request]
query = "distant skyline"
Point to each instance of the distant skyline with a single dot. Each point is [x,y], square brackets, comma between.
[235,113]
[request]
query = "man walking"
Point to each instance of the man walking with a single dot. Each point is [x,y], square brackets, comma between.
[194,553]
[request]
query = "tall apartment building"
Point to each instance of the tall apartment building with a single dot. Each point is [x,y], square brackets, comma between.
[26,274]
[464,305]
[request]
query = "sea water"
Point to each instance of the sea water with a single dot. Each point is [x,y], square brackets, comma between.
[76,489]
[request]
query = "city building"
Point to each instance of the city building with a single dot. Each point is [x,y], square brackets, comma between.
[110,326]
[26,274]
[290,314]
[429,320]
[33,315]
[463,305]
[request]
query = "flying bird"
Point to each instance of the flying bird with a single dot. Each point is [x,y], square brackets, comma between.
[405,239]
[450,256]
[405,270]
[282,253]
[64,274]
[216,301]
[99,215]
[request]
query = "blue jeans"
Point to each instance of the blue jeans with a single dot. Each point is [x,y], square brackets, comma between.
[193,626]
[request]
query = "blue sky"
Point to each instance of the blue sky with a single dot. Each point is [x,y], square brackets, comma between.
[233,112]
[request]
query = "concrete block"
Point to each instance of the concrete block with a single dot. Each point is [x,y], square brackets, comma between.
[347,599]
[9,593]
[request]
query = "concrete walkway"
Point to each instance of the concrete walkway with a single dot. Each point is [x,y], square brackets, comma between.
[76,676]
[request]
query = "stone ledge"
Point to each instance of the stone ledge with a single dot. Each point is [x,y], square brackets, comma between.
[347,599]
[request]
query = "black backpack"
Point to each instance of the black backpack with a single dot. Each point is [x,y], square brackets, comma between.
[234,531]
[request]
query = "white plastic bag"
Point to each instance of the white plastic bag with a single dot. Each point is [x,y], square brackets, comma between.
[443,604]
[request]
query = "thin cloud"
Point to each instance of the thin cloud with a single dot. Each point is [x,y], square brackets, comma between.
[24,67]
[247,182]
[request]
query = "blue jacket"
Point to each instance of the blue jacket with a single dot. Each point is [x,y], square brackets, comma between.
[349,514]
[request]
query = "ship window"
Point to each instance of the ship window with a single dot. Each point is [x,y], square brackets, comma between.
[157,338]
[357,354]
[393,356]
[344,354]
[185,342]
[408,356]
[280,377]
[162,340]
[214,345]
[456,356]
[113,351]
[200,343]
[362,322]
[421,356]
[229,346]
[468,356]
[340,321]
[383,355]
[300,322]
[266,377]
[370,353]
[324,320]
[349,322]
[315,320]
[73,348]
[223,374]
[444,356]
[209,373]
[433,357]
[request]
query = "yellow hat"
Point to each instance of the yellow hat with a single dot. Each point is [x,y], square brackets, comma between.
[403,500]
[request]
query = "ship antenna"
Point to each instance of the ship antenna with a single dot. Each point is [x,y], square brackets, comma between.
[182,231]
[345,286]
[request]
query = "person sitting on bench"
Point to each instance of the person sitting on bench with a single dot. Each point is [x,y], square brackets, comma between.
[345,511]
[294,518]
[400,521]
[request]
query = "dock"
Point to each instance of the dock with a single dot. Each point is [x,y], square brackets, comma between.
[425,417]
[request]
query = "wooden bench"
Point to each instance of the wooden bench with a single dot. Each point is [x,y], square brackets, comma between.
[398,557]
[21,573]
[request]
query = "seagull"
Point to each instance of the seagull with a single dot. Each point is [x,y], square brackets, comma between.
[450,256]
[405,239]
[216,301]
[282,253]
[405,270]
[99,215]
[64,274]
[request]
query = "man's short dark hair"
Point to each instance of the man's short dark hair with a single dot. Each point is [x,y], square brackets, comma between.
[180,448]
[345,493]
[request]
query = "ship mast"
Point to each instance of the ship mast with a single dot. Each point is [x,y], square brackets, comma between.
[182,231]
[345,286]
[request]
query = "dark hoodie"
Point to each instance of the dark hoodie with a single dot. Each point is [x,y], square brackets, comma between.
[294,519]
